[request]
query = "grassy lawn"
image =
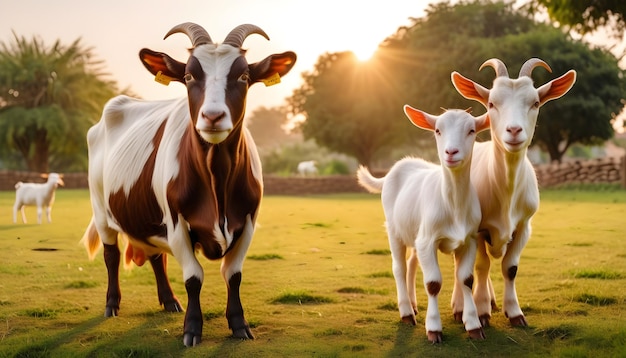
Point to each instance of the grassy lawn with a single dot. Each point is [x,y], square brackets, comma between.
[317,283]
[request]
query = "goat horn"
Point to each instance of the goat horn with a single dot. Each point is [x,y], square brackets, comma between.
[196,33]
[239,34]
[497,65]
[528,66]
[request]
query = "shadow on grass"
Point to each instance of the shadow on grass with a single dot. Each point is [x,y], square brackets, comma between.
[44,348]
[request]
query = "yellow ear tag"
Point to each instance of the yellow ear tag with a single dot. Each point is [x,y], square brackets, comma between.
[272,80]
[162,79]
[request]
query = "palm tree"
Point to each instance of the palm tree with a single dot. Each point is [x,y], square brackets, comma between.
[49,97]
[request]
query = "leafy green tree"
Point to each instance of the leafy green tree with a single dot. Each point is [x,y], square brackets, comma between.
[49,97]
[584,15]
[364,119]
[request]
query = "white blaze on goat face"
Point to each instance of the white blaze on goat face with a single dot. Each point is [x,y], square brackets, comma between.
[208,73]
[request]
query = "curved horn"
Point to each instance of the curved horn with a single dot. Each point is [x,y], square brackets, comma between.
[497,65]
[197,34]
[528,66]
[239,34]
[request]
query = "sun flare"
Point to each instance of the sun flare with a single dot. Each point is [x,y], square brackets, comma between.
[364,52]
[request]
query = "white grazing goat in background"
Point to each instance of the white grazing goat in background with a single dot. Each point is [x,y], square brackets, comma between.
[431,207]
[307,167]
[41,195]
[504,177]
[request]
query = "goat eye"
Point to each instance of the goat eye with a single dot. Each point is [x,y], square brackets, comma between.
[471,132]
[188,77]
[245,77]
[437,131]
[491,105]
[536,105]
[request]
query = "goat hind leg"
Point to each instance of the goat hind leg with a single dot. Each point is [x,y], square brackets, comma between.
[164,290]
[114,296]
[483,290]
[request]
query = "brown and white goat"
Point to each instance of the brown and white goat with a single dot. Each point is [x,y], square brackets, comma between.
[183,175]
[504,177]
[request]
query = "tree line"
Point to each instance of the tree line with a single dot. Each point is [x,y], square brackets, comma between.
[51,95]
[356,108]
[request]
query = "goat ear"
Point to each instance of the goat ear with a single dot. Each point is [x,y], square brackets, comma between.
[557,87]
[157,62]
[470,89]
[482,123]
[273,66]
[419,118]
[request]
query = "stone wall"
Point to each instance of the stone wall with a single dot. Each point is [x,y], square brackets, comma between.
[611,170]
[602,170]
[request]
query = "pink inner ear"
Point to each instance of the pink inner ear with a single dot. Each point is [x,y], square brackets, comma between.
[417,117]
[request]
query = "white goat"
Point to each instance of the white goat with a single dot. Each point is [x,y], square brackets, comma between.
[307,167]
[504,177]
[431,207]
[41,195]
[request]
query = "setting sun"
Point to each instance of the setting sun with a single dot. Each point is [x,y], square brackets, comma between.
[364,52]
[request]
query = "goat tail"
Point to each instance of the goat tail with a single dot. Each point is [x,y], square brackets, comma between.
[18,184]
[368,181]
[91,240]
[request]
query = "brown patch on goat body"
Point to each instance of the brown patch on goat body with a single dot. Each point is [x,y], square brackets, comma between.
[138,213]
[215,185]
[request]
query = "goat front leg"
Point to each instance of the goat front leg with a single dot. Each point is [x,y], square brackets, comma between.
[164,289]
[510,264]
[232,265]
[464,258]
[429,264]
[193,275]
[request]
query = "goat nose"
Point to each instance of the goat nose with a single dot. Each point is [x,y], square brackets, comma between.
[514,130]
[213,116]
[452,151]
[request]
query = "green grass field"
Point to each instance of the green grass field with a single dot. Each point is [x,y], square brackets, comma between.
[317,283]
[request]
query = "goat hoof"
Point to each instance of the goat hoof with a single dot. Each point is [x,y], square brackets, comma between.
[173,306]
[519,321]
[243,333]
[458,316]
[435,337]
[410,320]
[111,311]
[477,334]
[484,320]
[191,340]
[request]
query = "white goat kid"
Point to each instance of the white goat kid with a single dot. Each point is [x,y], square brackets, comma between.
[41,195]
[308,167]
[431,207]
[504,177]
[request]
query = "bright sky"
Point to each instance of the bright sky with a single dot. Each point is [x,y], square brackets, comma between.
[118,29]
